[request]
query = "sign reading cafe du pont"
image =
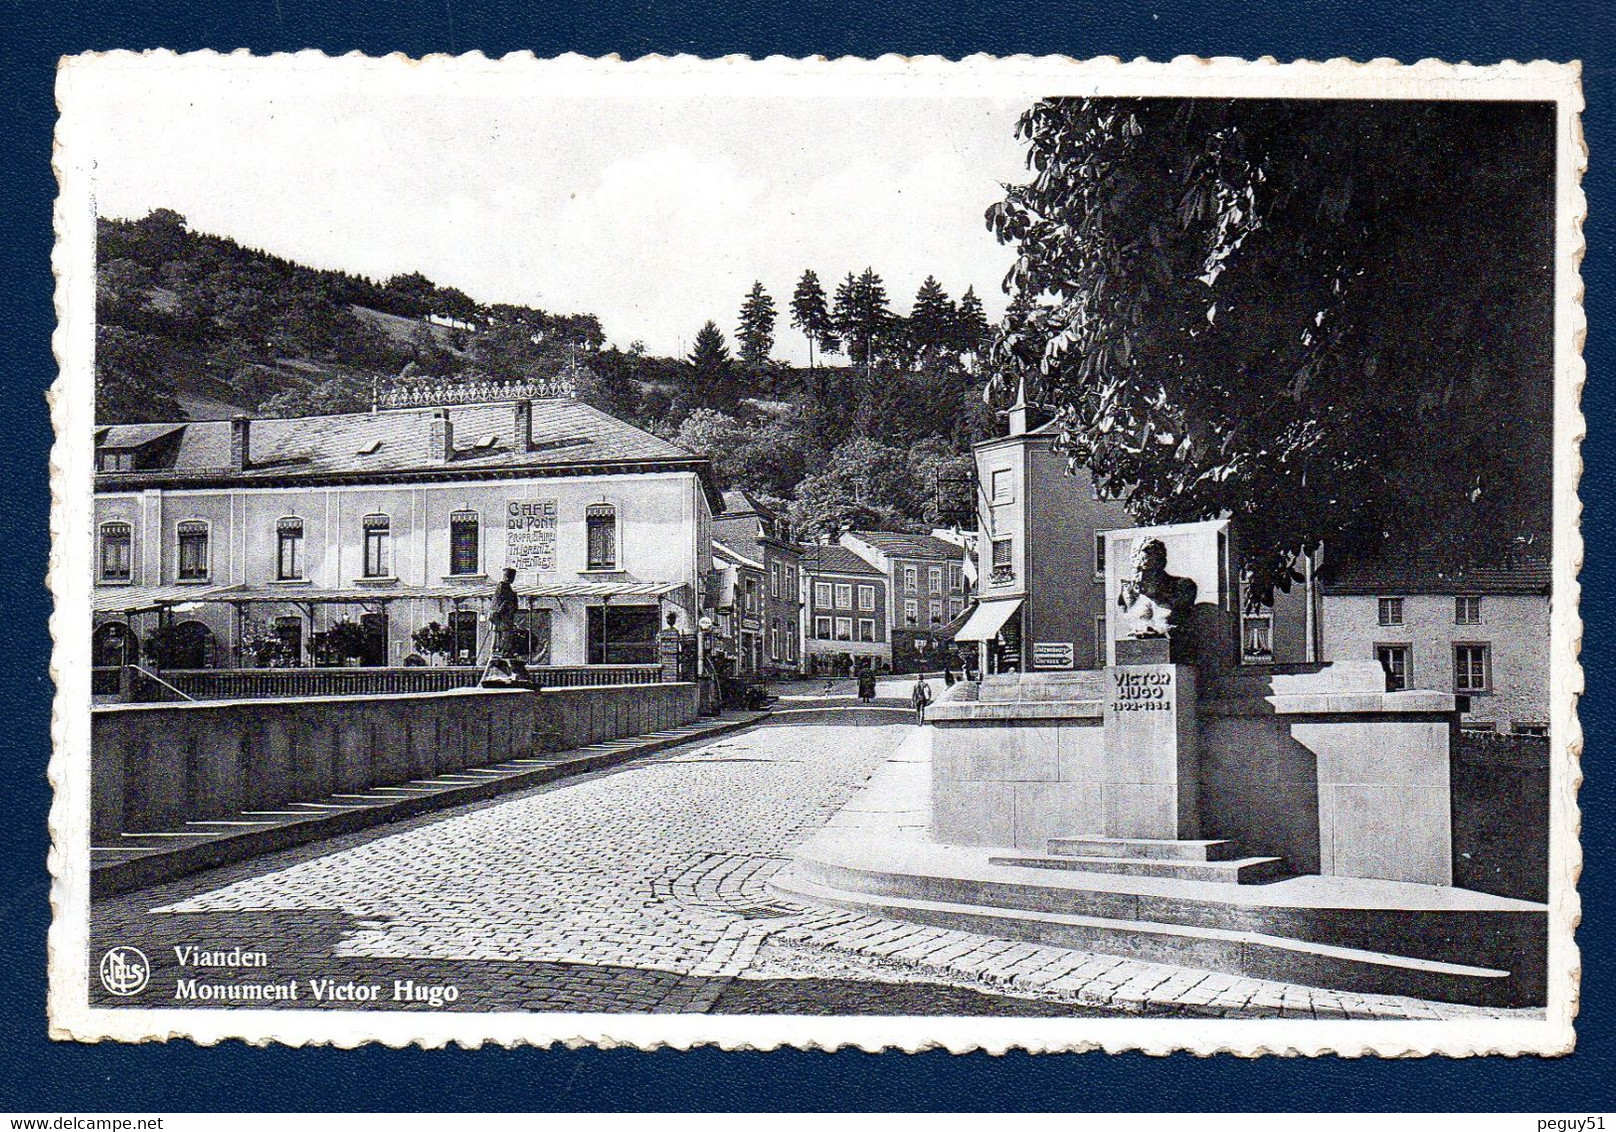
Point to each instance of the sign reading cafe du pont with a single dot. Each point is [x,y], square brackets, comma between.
[530,534]
[1142,689]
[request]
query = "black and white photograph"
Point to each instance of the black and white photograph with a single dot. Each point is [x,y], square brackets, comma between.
[1007,554]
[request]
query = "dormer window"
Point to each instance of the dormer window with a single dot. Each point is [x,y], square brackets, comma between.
[115,460]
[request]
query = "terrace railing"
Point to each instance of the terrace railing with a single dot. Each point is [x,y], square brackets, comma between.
[262,683]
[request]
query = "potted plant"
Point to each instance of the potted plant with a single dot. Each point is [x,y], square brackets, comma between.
[343,643]
[434,639]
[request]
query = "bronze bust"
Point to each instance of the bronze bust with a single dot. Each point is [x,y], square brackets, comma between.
[1153,602]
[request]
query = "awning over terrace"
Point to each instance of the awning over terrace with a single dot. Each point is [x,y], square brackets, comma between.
[143,599]
[984,624]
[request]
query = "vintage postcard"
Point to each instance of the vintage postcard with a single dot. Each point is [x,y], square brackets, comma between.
[999,554]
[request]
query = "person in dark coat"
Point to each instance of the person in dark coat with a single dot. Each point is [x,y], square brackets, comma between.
[503,617]
[920,697]
[866,684]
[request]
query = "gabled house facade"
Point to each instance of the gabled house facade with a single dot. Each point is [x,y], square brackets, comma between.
[925,575]
[752,530]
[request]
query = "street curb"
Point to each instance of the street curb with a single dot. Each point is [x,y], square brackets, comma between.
[144,871]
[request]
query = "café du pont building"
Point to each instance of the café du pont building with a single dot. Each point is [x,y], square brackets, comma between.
[241,539]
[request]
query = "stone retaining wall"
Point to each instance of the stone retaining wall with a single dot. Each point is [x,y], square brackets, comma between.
[154,767]
[1337,781]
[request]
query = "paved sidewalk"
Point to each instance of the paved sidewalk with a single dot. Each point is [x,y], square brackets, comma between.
[149,858]
[901,952]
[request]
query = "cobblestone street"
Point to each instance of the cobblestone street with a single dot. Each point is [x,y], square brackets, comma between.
[642,888]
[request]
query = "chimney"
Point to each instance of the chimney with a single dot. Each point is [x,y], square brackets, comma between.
[240,442]
[441,446]
[1019,412]
[522,438]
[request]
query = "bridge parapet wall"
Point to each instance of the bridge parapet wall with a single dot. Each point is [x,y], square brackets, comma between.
[154,767]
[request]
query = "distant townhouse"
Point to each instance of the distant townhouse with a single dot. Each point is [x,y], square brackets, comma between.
[228,534]
[739,622]
[1042,559]
[925,575]
[1481,634]
[752,530]
[847,607]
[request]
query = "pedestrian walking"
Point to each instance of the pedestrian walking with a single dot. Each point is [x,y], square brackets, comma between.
[866,684]
[920,697]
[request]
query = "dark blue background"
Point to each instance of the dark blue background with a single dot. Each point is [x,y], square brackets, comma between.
[40,1076]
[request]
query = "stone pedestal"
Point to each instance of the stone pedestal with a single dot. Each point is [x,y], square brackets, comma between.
[1151,770]
[1143,650]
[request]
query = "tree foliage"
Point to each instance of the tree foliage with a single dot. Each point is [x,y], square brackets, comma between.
[755,333]
[1332,320]
[810,314]
[862,318]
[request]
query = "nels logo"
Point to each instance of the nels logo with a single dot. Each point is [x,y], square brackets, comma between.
[125,970]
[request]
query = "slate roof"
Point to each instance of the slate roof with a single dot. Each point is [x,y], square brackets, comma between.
[1411,575]
[134,435]
[835,560]
[900,545]
[737,502]
[565,433]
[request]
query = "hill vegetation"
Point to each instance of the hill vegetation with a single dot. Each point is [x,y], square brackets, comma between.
[196,325]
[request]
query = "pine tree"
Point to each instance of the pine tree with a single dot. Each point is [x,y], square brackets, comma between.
[756,331]
[810,315]
[931,327]
[970,324]
[862,317]
[711,362]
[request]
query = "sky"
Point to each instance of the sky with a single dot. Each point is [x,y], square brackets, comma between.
[656,214]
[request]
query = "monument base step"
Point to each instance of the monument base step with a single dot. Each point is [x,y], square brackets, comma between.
[1238,870]
[1422,940]
[1217,949]
[1159,849]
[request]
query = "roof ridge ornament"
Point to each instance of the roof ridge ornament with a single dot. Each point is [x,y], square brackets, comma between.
[408,391]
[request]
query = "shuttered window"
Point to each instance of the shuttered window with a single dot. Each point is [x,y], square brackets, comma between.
[193,551]
[600,520]
[464,532]
[116,539]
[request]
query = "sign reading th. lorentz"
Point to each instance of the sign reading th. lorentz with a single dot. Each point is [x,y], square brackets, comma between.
[1147,690]
[530,534]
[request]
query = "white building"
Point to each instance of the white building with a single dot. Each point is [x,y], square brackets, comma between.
[1482,634]
[233,530]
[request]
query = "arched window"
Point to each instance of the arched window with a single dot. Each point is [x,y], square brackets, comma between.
[116,541]
[378,546]
[464,536]
[600,520]
[289,549]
